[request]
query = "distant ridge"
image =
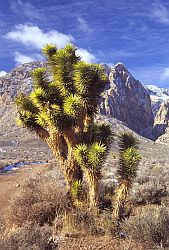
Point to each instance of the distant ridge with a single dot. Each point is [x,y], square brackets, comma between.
[124,98]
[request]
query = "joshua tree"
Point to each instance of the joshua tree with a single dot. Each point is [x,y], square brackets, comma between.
[62,105]
[127,170]
[91,155]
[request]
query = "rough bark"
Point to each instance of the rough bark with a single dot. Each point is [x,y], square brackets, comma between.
[120,198]
[93,183]
[62,148]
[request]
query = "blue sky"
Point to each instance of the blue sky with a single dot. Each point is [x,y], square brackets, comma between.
[108,31]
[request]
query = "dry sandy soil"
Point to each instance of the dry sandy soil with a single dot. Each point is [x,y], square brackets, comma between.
[100,243]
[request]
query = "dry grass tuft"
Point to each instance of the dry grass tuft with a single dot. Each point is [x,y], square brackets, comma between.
[83,222]
[39,200]
[150,224]
[27,237]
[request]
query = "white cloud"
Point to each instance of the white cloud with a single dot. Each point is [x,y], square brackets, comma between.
[34,36]
[160,13]
[83,25]
[85,55]
[165,74]
[20,58]
[37,38]
[3,73]
[26,9]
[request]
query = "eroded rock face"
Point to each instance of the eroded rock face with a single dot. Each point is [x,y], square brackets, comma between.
[161,121]
[127,100]
[158,96]
[18,143]
[124,98]
[18,80]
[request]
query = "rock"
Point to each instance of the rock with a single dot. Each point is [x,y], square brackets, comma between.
[18,80]
[158,96]
[14,82]
[161,121]
[124,99]
[127,100]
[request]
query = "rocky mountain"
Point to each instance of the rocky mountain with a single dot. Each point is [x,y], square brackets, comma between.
[161,121]
[157,96]
[124,99]
[157,93]
[160,107]
[127,100]
[18,80]
[16,142]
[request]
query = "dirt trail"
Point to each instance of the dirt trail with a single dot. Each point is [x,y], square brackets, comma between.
[10,182]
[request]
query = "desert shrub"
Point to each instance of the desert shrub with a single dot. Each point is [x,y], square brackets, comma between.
[28,237]
[150,224]
[106,224]
[39,199]
[2,226]
[150,192]
[83,221]
[79,221]
[107,190]
[151,186]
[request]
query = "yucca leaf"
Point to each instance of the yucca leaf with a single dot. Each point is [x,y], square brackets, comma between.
[77,190]
[49,50]
[55,109]
[26,119]
[25,103]
[129,160]
[96,154]
[89,82]
[38,97]
[63,67]
[127,140]
[101,132]
[43,119]
[55,93]
[73,106]
[39,78]
[80,154]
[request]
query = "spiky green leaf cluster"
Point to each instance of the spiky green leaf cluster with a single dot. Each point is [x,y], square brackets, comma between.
[25,103]
[127,140]
[89,81]
[39,78]
[129,156]
[129,161]
[96,154]
[80,153]
[77,190]
[91,156]
[70,94]
[73,106]
[101,132]
[49,50]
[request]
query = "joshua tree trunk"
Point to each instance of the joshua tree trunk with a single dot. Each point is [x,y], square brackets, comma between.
[120,198]
[64,153]
[72,171]
[93,183]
